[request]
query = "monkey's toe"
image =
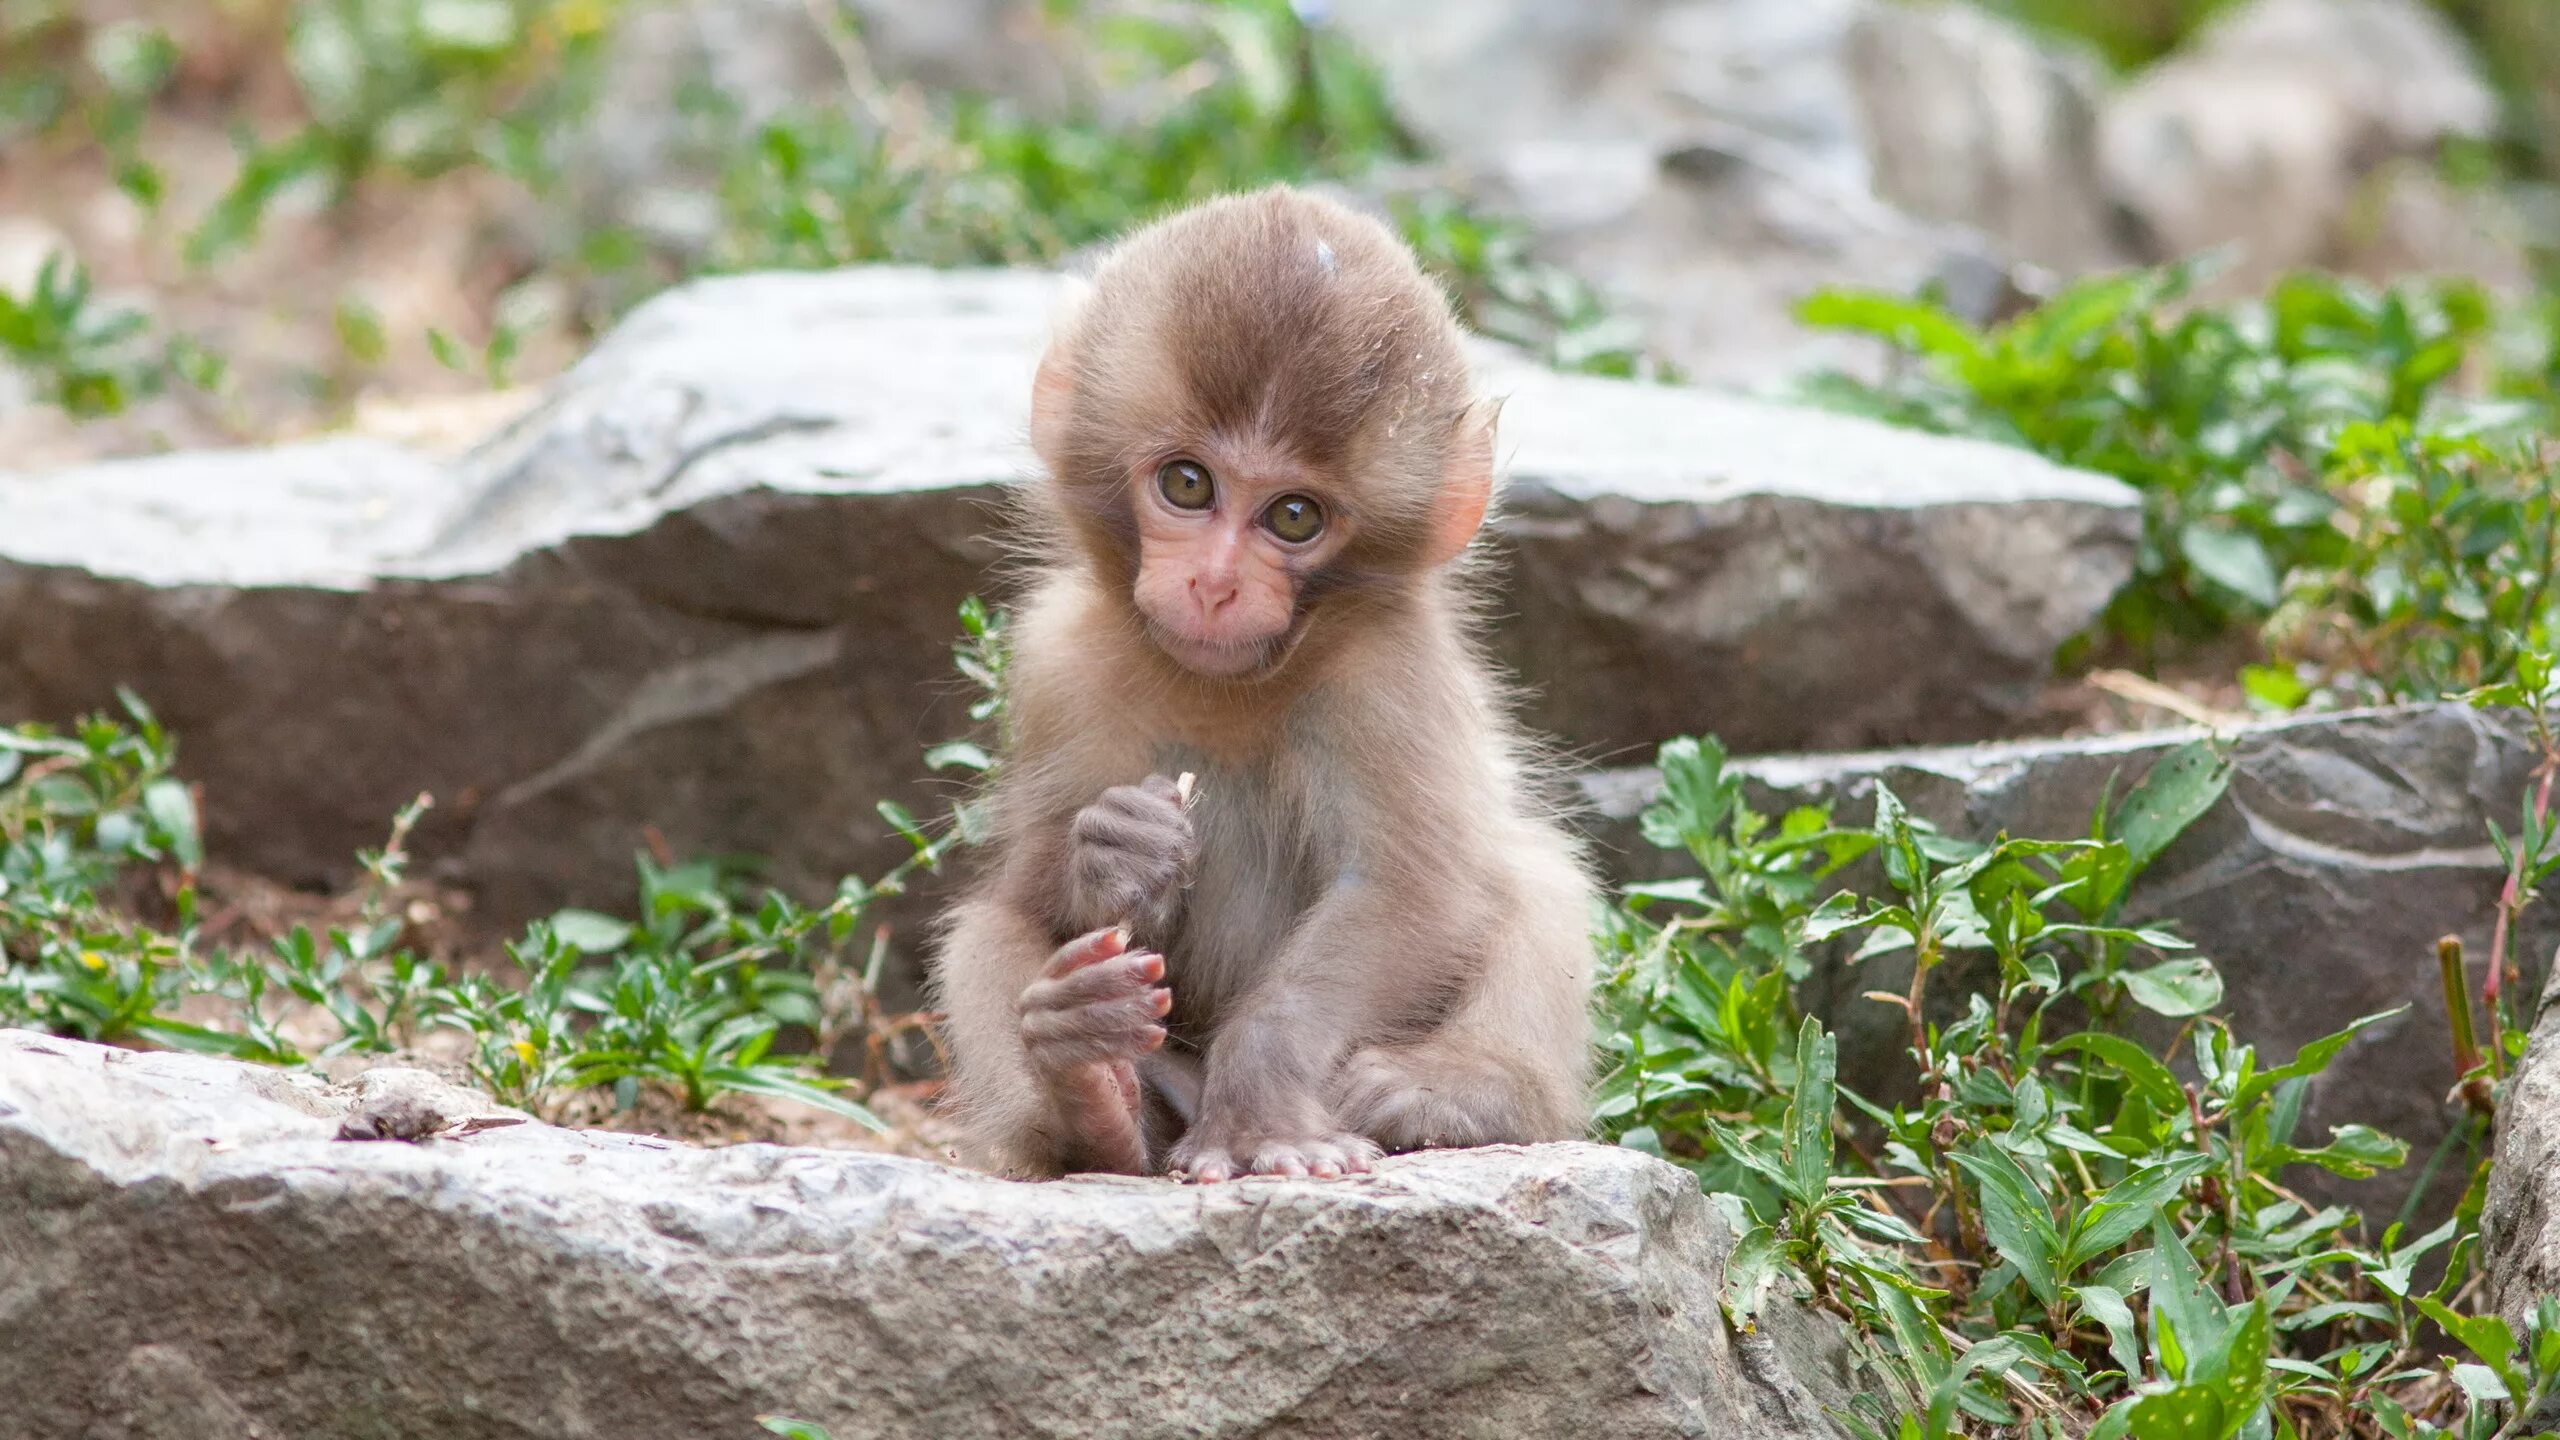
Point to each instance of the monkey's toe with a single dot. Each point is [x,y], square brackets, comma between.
[1205,1167]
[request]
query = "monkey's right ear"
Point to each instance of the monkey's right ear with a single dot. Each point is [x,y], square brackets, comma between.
[1053,390]
[1466,482]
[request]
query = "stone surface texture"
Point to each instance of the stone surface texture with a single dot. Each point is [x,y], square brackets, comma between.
[2520,1219]
[1701,161]
[2263,132]
[1967,118]
[187,1253]
[2345,846]
[708,586]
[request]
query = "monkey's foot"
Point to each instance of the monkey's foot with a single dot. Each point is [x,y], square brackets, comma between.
[1419,1097]
[1327,1157]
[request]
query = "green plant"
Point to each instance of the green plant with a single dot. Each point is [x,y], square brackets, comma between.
[77,812]
[691,996]
[86,356]
[2444,577]
[694,995]
[2373,454]
[419,88]
[2058,1234]
[1240,93]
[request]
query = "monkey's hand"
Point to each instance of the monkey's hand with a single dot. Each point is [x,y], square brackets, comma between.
[1208,1156]
[1129,854]
[1095,1009]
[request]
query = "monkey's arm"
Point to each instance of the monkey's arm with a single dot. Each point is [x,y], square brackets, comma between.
[1043,1040]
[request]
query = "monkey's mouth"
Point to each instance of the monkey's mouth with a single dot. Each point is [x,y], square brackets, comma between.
[1225,660]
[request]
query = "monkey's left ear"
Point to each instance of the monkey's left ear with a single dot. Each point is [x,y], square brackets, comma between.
[1466,482]
[1053,390]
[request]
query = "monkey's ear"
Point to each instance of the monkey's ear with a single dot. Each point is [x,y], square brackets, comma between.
[1053,390]
[1053,398]
[1466,483]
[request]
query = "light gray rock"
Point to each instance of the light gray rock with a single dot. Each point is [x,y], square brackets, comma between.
[708,586]
[188,1253]
[1702,162]
[2263,132]
[2520,1216]
[2345,846]
[1970,119]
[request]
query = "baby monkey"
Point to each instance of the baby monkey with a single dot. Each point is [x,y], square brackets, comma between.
[1264,463]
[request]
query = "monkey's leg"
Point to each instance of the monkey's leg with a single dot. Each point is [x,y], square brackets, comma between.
[1510,1064]
[1044,1073]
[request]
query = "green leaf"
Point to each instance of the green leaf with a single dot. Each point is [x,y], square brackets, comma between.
[2191,1319]
[792,1429]
[174,812]
[2178,790]
[2232,559]
[2175,987]
[590,932]
[2482,1384]
[2017,1218]
[2486,1336]
[200,1040]
[1914,325]
[959,755]
[2310,1060]
[2277,687]
[2105,1305]
[1809,1112]
[2187,1413]
[1755,1264]
[764,1082]
[2139,1067]
[2354,1151]
[2128,1206]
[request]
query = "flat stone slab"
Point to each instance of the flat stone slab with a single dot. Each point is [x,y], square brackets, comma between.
[2344,847]
[708,587]
[185,1251]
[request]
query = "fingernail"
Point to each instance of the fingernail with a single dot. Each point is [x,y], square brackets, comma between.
[1121,934]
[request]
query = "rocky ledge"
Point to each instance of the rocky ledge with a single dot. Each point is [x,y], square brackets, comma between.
[189,1252]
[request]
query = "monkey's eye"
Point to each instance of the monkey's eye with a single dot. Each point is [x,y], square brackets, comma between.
[1186,485]
[1295,518]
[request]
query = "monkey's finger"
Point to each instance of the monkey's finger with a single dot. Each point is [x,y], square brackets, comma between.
[1162,789]
[1142,826]
[1063,1037]
[1117,978]
[1085,950]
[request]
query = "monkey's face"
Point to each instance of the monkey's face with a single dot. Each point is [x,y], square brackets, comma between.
[1228,537]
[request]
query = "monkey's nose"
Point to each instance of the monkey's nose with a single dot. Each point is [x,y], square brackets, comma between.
[1212,594]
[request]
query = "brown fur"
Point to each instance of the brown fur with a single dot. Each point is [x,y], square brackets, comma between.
[1382,939]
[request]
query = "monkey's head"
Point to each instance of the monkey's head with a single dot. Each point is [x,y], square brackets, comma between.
[1261,410]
